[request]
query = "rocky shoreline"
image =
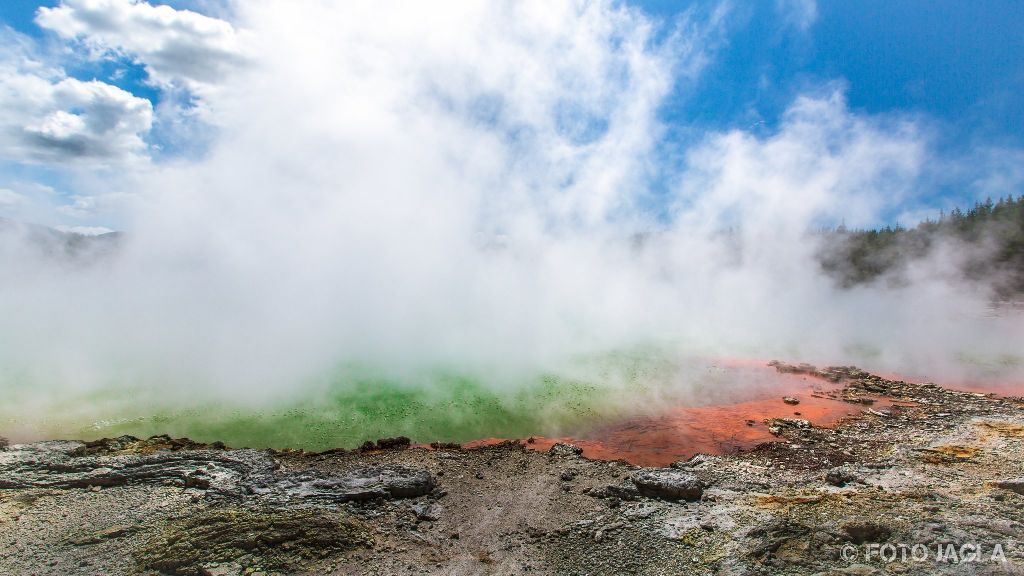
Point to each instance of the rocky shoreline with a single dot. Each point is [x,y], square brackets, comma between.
[933,484]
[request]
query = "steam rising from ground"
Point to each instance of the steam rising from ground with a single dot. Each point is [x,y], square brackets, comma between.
[406,190]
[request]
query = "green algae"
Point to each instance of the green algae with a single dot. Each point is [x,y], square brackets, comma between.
[368,410]
[350,410]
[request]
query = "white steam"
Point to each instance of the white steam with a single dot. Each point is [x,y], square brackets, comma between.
[409,187]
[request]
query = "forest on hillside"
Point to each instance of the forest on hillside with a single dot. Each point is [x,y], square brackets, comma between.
[985,243]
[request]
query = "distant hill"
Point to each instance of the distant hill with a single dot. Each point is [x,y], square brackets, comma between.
[986,243]
[50,243]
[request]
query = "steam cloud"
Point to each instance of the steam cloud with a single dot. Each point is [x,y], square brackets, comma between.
[407,187]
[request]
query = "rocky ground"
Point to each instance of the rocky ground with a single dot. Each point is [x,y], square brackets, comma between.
[932,485]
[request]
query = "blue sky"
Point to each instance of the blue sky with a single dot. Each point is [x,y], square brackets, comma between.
[20,16]
[956,68]
[960,63]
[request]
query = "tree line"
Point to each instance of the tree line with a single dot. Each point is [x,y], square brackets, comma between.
[985,243]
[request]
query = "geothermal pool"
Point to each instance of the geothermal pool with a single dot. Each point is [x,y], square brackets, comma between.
[723,427]
[642,410]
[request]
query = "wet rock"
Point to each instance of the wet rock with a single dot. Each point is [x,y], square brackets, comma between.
[777,425]
[790,400]
[396,443]
[802,368]
[133,445]
[4,443]
[667,484]
[1014,485]
[562,449]
[698,461]
[106,445]
[838,373]
[445,445]
[798,423]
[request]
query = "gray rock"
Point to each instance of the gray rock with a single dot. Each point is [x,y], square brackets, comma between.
[229,569]
[562,449]
[841,476]
[40,466]
[1014,485]
[233,474]
[624,491]
[362,484]
[667,484]
[698,461]
[427,512]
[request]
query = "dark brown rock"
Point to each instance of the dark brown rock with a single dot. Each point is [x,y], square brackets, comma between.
[667,484]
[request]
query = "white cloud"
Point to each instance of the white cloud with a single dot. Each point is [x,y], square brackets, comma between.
[108,203]
[1002,174]
[176,46]
[109,199]
[824,164]
[394,143]
[46,117]
[19,201]
[80,207]
[801,14]
[10,199]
